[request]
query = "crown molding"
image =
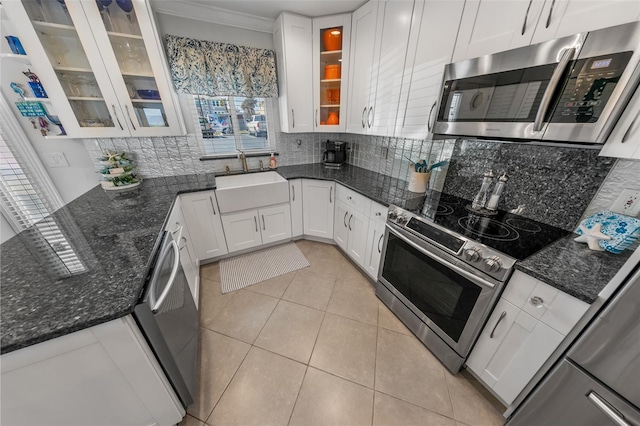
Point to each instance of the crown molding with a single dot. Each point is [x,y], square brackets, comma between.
[212,14]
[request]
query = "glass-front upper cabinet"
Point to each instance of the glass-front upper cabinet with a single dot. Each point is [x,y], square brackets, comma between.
[331,41]
[100,64]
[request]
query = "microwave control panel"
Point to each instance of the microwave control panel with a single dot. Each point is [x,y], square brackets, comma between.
[589,87]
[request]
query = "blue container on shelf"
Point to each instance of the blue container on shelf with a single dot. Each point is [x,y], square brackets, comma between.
[15,45]
[149,94]
[37,89]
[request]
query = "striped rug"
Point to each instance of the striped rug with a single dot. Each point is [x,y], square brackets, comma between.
[251,268]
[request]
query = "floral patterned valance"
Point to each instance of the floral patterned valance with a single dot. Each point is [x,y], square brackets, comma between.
[201,67]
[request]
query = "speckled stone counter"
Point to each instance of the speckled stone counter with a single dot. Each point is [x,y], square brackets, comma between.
[114,235]
[574,268]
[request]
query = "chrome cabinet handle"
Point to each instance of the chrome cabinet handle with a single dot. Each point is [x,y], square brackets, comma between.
[429,126]
[369,117]
[316,118]
[214,209]
[536,301]
[345,219]
[364,111]
[612,414]
[255,220]
[551,88]
[628,132]
[550,13]
[293,188]
[178,226]
[113,106]
[350,217]
[293,118]
[184,244]
[330,195]
[264,224]
[526,15]
[379,241]
[502,315]
[126,107]
[155,304]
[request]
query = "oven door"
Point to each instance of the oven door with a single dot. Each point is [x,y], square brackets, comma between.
[453,301]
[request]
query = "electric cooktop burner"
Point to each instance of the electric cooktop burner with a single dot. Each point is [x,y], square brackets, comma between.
[516,236]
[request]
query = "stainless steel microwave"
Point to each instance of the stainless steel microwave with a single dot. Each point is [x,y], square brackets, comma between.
[571,89]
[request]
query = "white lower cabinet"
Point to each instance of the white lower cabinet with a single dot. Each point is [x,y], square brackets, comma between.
[203,216]
[527,325]
[318,199]
[295,198]
[373,252]
[350,231]
[252,228]
[103,375]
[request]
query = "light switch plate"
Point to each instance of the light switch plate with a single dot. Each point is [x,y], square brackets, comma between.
[56,159]
[628,203]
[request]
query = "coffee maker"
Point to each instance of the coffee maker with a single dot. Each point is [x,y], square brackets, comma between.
[335,154]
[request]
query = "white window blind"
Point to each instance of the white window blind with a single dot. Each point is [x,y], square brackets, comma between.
[28,197]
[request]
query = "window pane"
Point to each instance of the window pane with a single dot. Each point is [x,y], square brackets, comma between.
[216,125]
[254,117]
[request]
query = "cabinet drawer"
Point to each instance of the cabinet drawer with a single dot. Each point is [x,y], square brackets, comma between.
[551,306]
[353,199]
[378,212]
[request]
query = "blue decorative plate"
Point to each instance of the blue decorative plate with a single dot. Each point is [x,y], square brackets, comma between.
[623,230]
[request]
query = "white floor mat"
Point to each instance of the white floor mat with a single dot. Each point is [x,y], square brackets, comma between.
[251,268]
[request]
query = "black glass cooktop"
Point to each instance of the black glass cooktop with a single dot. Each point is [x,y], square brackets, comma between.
[511,234]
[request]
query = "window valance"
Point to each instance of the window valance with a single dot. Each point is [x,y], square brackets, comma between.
[201,67]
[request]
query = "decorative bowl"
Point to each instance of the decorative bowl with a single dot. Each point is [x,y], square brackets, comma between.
[332,72]
[149,94]
[332,39]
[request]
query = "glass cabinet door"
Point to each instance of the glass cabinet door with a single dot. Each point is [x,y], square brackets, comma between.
[123,28]
[331,47]
[54,26]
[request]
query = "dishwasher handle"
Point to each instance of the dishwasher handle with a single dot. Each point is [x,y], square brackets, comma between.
[155,304]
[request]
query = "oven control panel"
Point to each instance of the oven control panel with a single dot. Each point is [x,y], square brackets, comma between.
[470,252]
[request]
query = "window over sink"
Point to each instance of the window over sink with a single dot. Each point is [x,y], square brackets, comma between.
[228,124]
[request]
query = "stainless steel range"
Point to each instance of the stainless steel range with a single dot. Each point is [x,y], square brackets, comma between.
[444,267]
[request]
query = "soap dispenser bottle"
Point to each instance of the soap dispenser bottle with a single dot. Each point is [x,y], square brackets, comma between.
[480,200]
[272,161]
[497,192]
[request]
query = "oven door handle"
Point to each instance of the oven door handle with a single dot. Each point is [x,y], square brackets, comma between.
[471,277]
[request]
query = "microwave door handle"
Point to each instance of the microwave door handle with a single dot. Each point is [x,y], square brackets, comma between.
[155,304]
[554,82]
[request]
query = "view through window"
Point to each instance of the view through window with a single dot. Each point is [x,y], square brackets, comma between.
[233,123]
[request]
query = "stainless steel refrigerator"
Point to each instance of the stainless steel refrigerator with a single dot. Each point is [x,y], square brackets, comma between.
[597,383]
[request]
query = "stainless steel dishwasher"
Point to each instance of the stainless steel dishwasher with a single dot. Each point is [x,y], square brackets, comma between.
[168,317]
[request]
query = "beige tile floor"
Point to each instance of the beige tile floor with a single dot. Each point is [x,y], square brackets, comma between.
[316,347]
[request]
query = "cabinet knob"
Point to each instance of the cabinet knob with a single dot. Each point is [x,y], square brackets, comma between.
[536,301]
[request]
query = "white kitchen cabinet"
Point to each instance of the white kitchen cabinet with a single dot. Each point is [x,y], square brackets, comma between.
[177,225]
[424,67]
[318,199]
[103,375]
[527,325]
[293,39]
[276,223]
[252,228]
[242,230]
[562,18]
[340,228]
[624,140]
[202,216]
[490,26]
[361,80]
[350,231]
[104,75]
[395,19]
[295,199]
[373,252]
[330,93]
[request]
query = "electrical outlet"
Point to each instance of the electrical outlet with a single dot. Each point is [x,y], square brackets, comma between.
[628,203]
[56,159]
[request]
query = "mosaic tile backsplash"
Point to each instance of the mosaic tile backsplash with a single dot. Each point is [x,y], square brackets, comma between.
[553,184]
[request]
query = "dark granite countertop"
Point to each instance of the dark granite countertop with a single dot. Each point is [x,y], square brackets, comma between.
[113,236]
[573,268]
